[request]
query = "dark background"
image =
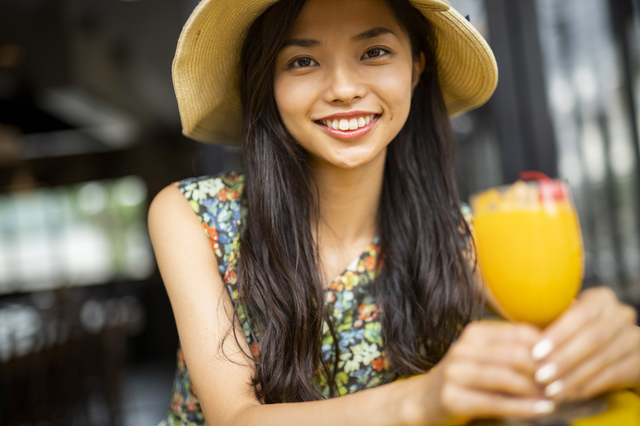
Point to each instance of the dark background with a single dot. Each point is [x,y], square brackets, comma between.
[90,132]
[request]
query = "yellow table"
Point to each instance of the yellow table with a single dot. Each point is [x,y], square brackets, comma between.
[623,410]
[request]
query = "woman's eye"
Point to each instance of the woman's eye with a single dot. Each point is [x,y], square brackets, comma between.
[375,52]
[302,63]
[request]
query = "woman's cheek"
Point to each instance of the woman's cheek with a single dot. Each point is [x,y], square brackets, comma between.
[394,88]
[292,101]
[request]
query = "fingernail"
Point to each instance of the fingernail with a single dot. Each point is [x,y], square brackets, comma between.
[542,349]
[546,373]
[544,407]
[554,388]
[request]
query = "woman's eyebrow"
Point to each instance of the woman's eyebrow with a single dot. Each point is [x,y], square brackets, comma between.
[301,42]
[366,35]
[372,33]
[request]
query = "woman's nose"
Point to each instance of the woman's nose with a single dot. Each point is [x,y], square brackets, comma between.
[344,85]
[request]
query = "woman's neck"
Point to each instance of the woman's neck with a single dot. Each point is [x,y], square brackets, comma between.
[349,200]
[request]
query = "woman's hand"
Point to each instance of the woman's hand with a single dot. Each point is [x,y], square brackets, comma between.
[487,372]
[592,348]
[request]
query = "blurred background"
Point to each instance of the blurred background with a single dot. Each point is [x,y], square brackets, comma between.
[90,132]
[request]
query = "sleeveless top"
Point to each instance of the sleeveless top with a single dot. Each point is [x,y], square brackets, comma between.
[217,202]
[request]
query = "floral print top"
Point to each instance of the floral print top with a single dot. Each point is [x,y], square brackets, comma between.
[217,201]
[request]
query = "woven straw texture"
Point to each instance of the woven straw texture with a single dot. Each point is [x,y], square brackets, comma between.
[206,65]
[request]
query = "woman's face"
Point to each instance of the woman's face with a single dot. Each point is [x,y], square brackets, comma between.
[343,80]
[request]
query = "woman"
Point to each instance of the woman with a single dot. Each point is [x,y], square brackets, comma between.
[344,247]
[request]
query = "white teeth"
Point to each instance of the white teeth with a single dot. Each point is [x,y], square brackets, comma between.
[348,124]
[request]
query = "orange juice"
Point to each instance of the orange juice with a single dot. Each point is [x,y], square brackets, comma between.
[530,252]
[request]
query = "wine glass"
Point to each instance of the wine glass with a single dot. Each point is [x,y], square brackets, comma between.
[529,249]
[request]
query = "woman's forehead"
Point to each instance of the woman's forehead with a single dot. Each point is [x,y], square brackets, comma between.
[347,18]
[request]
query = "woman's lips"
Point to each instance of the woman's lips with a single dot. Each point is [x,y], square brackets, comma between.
[350,134]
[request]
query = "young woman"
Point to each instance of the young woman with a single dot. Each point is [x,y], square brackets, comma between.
[340,260]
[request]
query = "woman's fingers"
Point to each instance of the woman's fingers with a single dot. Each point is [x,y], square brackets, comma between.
[622,361]
[494,357]
[503,344]
[589,343]
[464,402]
[585,347]
[488,372]
[589,307]
[610,379]
[492,377]
[517,357]
[608,358]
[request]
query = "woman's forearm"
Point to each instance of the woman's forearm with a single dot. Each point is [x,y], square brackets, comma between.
[380,406]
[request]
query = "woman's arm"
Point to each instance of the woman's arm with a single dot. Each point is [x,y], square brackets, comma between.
[221,374]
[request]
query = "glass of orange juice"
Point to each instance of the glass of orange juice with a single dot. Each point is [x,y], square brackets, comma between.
[529,247]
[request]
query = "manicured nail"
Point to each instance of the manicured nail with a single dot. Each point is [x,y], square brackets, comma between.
[544,407]
[546,373]
[542,349]
[554,388]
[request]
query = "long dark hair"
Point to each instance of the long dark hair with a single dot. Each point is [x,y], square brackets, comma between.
[425,287]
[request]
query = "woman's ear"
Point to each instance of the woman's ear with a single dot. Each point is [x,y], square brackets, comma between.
[418,68]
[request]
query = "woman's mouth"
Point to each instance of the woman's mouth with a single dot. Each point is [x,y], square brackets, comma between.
[346,124]
[349,128]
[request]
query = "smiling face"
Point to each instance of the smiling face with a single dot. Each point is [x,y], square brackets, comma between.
[343,80]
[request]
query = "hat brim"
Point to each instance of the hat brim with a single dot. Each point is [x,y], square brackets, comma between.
[206,79]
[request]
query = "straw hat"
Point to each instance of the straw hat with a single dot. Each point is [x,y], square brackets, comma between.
[206,78]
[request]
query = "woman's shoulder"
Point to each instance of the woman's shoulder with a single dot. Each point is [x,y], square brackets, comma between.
[215,199]
[217,203]
[223,186]
[206,195]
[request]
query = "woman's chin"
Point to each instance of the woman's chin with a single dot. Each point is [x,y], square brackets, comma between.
[354,157]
